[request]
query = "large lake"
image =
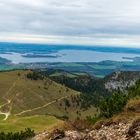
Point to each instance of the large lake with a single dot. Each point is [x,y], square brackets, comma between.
[31,53]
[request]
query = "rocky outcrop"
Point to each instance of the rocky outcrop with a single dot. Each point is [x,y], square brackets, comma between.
[61,135]
[121,80]
[41,136]
[111,132]
[134,130]
[105,131]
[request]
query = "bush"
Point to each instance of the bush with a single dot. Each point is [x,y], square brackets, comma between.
[22,135]
[34,76]
[112,105]
[134,90]
[93,120]
[79,125]
[67,103]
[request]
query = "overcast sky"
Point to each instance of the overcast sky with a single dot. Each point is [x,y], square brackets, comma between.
[91,22]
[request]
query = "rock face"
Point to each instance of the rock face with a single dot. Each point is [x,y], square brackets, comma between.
[117,131]
[105,131]
[112,132]
[61,135]
[121,80]
[134,130]
[73,135]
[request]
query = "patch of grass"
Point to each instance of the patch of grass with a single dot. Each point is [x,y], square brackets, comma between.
[71,65]
[80,73]
[2,117]
[100,76]
[102,67]
[60,73]
[37,123]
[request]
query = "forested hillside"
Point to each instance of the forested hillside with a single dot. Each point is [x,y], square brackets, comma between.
[92,87]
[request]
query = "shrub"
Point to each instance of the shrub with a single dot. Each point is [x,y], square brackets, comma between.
[112,105]
[93,120]
[22,135]
[34,76]
[79,125]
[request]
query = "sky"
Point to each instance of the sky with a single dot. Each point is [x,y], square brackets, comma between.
[84,22]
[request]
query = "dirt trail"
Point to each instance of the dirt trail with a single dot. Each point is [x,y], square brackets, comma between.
[6,115]
[13,85]
[8,101]
[29,110]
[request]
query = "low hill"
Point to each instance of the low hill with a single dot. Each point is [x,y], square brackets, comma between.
[25,95]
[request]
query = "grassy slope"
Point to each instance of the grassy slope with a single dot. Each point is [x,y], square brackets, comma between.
[36,122]
[28,98]
[27,94]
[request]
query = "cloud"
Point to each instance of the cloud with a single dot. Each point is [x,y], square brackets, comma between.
[93,21]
